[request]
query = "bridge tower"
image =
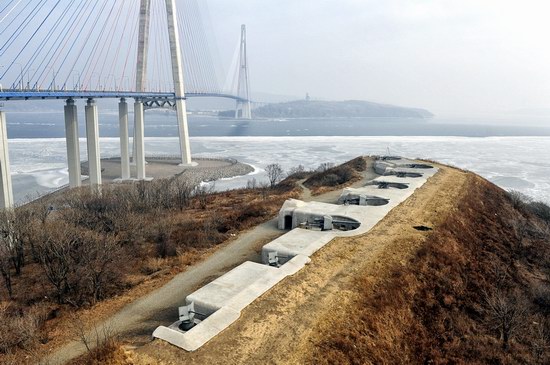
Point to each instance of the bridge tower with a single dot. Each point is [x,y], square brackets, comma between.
[6,191]
[177,76]
[244,109]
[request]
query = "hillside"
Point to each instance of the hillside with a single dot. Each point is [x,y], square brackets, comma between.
[337,109]
[402,295]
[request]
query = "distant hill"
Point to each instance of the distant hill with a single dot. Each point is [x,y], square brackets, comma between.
[335,109]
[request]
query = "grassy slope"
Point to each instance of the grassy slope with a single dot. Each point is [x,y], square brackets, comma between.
[434,310]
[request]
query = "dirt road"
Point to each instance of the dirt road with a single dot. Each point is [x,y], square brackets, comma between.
[136,322]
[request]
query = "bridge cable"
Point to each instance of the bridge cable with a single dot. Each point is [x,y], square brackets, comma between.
[59,39]
[118,48]
[9,12]
[45,41]
[33,35]
[88,79]
[205,47]
[22,26]
[85,43]
[7,5]
[111,33]
[131,51]
[193,72]
[60,45]
[52,84]
[196,41]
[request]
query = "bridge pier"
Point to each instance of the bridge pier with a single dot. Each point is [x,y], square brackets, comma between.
[177,75]
[124,155]
[139,139]
[73,147]
[6,191]
[92,141]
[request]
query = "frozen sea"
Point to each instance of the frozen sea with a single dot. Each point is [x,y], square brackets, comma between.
[39,165]
[503,150]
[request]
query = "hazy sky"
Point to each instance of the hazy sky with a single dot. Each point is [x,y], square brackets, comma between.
[449,56]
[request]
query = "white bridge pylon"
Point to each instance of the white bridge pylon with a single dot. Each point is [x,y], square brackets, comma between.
[178,79]
[139,115]
[244,108]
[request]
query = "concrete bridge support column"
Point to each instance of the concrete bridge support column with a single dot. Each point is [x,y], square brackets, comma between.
[73,147]
[92,140]
[177,75]
[124,156]
[6,191]
[139,139]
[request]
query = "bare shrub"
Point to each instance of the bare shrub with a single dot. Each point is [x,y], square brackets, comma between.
[252,183]
[518,199]
[19,329]
[202,193]
[5,266]
[298,172]
[153,265]
[160,235]
[506,314]
[79,265]
[540,209]
[325,166]
[12,235]
[182,191]
[100,341]
[540,346]
[274,173]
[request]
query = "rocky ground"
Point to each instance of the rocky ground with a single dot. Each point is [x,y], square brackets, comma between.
[207,169]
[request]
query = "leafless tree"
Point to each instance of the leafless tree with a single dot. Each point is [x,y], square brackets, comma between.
[16,230]
[540,346]
[274,173]
[202,193]
[518,199]
[54,254]
[506,313]
[5,265]
[182,191]
[95,264]
[252,183]
[521,228]
[264,189]
[325,166]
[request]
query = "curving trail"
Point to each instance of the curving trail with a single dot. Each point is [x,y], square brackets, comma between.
[136,322]
[282,325]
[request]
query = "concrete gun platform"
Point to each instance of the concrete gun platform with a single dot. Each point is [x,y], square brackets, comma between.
[222,300]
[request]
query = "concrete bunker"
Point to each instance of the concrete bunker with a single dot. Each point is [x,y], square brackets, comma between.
[404,174]
[341,223]
[389,185]
[419,166]
[390,158]
[354,197]
[314,216]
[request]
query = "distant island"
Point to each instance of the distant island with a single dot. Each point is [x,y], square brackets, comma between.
[333,109]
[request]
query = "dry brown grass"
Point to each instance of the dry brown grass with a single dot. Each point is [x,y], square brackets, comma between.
[157,246]
[433,309]
[336,177]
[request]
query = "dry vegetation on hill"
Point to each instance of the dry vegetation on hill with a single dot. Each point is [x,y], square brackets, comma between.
[472,290]
[76,250]
[477,291]
[329,177]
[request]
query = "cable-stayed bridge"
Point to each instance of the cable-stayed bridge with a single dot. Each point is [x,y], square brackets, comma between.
[156,52]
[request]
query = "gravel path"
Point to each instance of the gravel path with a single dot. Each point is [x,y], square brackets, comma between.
[144,315]
[140,318]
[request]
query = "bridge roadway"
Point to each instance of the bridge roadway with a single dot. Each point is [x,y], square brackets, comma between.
[143,100]
[13,94]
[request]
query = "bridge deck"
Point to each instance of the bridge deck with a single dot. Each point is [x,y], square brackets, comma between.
[6,95]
